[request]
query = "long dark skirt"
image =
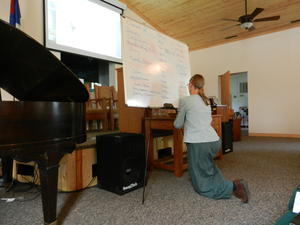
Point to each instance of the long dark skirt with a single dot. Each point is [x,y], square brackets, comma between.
[207,178]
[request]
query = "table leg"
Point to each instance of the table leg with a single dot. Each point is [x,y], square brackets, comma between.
[178,152]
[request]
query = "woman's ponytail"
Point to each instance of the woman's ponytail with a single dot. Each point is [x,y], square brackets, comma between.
[198,82]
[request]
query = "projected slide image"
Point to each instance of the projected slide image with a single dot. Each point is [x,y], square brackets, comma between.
[52,21]
[84,25]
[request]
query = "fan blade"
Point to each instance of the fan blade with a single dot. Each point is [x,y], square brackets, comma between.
[251,28]
[226,28]
[229,37]
[255,13]
[272,18]
[230,20]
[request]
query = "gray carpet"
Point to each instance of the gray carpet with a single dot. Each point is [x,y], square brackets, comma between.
[271,167]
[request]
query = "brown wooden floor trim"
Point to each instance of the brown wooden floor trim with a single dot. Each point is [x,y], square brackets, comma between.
[274,135]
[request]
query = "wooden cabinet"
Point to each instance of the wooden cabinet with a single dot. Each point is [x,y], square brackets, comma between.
[75,170]
[236,129]
[225,111]
[216,123]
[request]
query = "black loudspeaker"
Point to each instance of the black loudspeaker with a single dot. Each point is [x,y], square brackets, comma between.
[121,162]
[227,137]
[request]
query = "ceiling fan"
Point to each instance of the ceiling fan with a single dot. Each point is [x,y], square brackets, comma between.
[246,21]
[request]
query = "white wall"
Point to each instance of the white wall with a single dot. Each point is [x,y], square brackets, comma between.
[31,16]
[273,65]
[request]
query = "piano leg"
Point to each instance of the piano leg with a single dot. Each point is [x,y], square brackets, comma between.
[7,166]
[49,178]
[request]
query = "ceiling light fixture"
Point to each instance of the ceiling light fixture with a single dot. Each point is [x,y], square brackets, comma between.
[246,25]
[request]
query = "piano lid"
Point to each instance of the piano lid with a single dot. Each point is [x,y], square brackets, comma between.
[30,72]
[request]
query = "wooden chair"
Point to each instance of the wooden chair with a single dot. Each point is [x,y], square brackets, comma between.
[109,94]
[115,109]
[96,110]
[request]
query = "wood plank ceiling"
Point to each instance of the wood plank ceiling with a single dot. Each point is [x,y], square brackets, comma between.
[199,24]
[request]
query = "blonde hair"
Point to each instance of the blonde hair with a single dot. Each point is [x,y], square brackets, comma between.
[198,82]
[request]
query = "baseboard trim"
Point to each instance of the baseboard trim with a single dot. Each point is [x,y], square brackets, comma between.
[274,135]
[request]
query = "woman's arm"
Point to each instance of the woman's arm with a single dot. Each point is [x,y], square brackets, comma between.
[180,118]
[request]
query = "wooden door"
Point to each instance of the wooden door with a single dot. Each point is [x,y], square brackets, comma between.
[225,89]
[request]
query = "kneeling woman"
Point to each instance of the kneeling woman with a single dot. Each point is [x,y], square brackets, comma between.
[203,143]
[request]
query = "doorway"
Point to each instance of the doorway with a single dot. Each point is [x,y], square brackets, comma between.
[233,91]
[239,98]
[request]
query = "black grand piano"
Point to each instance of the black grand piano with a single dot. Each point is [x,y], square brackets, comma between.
[49,118]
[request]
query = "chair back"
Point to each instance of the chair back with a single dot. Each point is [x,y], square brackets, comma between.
[109,95]
[114,94]
[103,92]
[97,110]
